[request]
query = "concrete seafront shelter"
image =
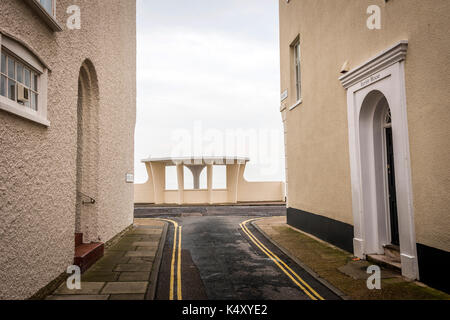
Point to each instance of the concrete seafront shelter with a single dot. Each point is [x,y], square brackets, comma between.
[237,188]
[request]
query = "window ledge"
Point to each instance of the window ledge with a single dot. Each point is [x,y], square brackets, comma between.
[299,102]
[23,112]
[44,15]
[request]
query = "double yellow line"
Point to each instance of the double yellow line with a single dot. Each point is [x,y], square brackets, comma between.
[306,288]
[176,258]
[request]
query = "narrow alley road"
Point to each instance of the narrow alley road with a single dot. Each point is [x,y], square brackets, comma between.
[225,257]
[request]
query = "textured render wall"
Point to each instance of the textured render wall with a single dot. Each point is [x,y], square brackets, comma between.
[38,164]
[317,145]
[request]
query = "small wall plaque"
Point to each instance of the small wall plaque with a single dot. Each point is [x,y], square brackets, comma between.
[129,178]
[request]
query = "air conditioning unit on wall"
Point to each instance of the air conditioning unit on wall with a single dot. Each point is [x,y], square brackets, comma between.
[23,94]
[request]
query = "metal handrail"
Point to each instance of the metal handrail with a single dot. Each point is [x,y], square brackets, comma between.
[91,200]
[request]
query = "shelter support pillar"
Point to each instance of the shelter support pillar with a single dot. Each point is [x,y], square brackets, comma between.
[180,179]
[209,171]
[159,181]
[232,182]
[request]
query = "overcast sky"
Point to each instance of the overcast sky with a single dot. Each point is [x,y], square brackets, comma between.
[207,71]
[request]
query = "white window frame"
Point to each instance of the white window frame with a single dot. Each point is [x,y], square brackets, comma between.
[298,74]
[47,17]
[53,7]
[297,70]
[29,60]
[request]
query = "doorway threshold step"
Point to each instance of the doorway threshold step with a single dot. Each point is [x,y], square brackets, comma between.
[393,252]
[87,254]
[385,261]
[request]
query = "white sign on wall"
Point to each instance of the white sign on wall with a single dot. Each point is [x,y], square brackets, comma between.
[129,178]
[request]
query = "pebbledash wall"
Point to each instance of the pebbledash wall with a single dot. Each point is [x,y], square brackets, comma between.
[319,156]
[38,161]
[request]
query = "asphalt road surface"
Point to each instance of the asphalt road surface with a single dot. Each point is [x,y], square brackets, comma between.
[215,258]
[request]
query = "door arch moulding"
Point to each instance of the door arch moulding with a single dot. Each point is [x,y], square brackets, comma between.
[384,73]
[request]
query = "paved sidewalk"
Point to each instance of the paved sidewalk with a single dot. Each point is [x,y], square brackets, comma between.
[124,272]
[338,268]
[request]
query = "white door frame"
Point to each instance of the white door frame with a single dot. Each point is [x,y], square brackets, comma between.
[383,73]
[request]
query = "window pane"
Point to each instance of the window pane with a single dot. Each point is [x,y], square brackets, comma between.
[34,101]
[297,53]
[3,69]
[12,90]
[3,86]
[11,68]
[27,103]
[35,82]
[27,78]
[47,4]
[20,72]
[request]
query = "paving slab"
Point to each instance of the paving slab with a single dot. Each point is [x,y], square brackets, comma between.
[130,296]
[146,243]
[358,271]
[149,249]
[87,288]
[146,231]
[109,267]
[134,276]
[139,260]
[113,259]
[143,253]
[133,267]
[126,247]
[95,276]
[79,297]
[124,272]
[125,287]
[112,255]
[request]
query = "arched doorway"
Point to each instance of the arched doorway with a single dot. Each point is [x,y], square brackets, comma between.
[86,221]
[377,154]
[390,188]
[378,141]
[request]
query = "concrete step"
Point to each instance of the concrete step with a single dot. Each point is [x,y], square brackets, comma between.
[78,239]
[393,252]
[87,254]
[385,261]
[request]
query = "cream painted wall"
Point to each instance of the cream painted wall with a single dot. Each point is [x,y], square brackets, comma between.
[144,192]
[332,32]
[38,164]
[259,191]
